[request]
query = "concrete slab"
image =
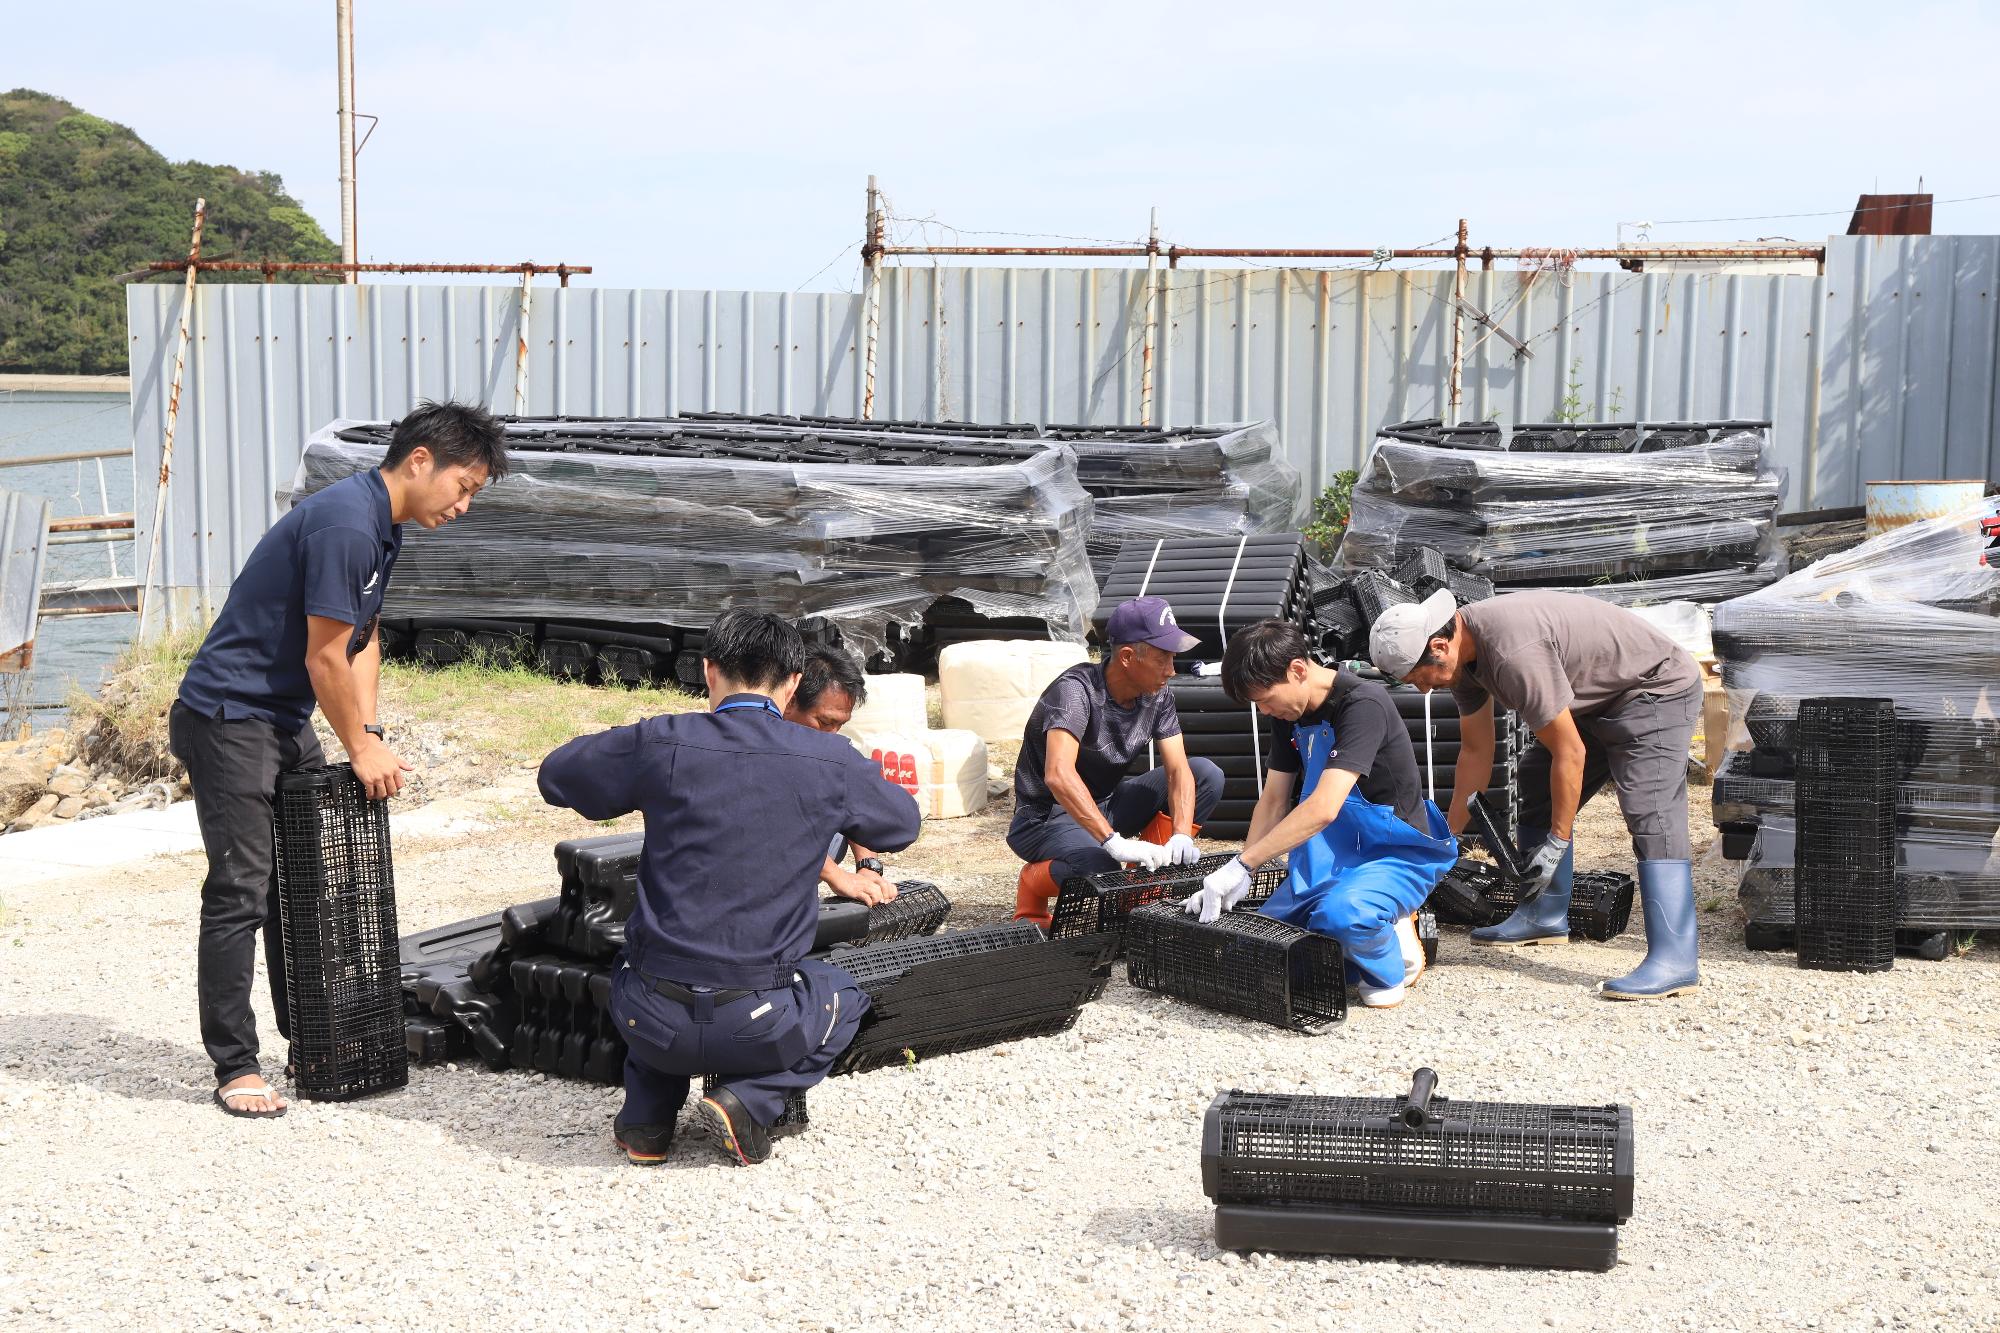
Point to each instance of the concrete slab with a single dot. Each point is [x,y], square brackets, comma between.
[59,850]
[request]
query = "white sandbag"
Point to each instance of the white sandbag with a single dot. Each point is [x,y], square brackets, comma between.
[896,704]
[990,687]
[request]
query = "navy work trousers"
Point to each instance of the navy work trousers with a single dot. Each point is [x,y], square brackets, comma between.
[764,1046]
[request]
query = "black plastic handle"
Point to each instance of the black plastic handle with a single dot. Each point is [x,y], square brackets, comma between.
[1496,842]
[1422,1084]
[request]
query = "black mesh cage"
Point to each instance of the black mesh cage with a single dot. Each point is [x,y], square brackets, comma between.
[1844,883]
[1241,963]
[337,919]
[1483,1158]
[918,908]
[1088,904]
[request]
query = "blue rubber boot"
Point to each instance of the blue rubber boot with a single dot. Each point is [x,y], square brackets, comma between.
[1666,896]
[1545,921]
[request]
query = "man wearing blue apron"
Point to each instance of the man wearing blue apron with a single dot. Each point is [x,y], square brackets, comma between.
[1365,847]
[739,807]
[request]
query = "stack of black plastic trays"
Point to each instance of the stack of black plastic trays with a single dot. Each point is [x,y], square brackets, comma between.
[1419,1177]
[1216,585]
[337,921]
[1234,737]
[530,987]
[966,989]
[1844,884]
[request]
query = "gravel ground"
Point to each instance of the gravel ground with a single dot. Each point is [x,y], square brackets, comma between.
[1810,1150]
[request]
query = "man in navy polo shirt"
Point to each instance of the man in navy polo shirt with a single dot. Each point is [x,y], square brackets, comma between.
[739,807]
[299,628]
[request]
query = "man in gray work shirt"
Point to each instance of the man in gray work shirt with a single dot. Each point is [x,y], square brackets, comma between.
[1611,699]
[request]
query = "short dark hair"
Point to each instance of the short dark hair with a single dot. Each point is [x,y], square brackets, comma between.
[1261,656]
[457,434]
[755,648]
[1430,657]
[830,666]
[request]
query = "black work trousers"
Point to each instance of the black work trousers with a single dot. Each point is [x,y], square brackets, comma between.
[233,766]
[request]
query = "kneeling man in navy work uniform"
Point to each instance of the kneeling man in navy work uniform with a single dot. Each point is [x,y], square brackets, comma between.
[1365,848]
[739,805]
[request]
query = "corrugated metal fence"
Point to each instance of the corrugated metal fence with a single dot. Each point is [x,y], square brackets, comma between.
[1887,366]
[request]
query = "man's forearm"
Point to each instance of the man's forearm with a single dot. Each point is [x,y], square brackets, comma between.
[1565,790]
[1180,797]
[1305,821]
[1074,797]
[368,678]
[1268,814]
[1472,774]
[338,688]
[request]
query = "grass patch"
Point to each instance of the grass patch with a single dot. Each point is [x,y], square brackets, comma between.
[509,712]
[123,730]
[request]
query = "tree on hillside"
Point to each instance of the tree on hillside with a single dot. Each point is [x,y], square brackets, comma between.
[83,200]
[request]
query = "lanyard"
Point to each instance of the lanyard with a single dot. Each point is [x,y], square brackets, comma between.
[764,704]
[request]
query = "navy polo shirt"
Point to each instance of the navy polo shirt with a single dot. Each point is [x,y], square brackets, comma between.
[740,805]
[330,556]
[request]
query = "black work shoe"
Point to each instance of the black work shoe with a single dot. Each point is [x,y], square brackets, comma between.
[795,1120]
[731,1123]
[644,1145]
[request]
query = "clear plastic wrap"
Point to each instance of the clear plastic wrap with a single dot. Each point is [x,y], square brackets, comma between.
[1202,479]
[1689,522]
[1912,616]
[678,537]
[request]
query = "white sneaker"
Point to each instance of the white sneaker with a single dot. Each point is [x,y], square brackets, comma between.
[1413,949]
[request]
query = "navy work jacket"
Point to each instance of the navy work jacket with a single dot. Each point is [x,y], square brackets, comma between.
[740,806]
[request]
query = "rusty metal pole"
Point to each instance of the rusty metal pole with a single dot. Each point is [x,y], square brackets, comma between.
[871,298]
[1457,326]
[521,343]
[173,416]
[350,241]
[1152,317]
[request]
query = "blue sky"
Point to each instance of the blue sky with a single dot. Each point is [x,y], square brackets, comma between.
[728,146]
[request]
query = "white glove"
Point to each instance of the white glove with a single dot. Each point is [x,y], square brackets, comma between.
[1181,850]
[1146,855]
[1220,891]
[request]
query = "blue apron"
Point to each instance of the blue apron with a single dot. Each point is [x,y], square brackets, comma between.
[1361,874]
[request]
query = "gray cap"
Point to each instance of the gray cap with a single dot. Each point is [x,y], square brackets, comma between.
[1401,633]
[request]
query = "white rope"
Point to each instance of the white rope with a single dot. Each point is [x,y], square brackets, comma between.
[1430,754]
[1222,637]
[1152,759]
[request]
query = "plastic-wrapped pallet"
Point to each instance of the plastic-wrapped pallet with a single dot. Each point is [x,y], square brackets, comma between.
[674,520]
[1153,484]
[1691,520]
[1912,616]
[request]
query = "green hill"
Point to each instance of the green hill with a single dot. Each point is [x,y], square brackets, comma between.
[83,200]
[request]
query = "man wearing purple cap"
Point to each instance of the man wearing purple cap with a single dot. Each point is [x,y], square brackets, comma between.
[1075,811]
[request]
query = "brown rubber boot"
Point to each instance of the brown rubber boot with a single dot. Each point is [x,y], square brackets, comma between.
[1037,890]
[1162,828]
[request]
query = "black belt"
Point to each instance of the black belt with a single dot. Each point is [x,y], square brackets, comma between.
[682,995]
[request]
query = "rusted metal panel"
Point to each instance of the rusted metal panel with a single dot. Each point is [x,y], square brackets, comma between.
[1881,367]
[24,553]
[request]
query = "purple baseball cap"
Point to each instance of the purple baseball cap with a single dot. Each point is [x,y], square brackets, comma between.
[1148,620]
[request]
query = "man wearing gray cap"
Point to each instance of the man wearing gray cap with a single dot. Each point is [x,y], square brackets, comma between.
[1075,810]
[1611,699]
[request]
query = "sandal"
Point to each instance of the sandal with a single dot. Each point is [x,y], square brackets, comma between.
[261,1090]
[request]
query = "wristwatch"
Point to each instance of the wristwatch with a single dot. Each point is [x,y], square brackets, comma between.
[873,863]
[375,729]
